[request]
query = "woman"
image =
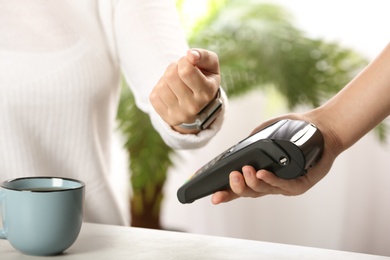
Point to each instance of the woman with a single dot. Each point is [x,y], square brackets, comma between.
[60,69]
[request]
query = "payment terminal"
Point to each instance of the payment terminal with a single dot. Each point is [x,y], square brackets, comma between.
[288,148]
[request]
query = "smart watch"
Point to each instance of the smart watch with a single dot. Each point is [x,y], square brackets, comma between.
[207,115]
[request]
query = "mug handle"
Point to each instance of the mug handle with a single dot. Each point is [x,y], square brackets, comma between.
[2,233]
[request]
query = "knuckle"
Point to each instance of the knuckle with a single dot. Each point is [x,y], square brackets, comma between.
[185,71]
[152,97]
[211,57]
[172,66]
[181,118]
[205,97]
[193,110]
[171,70]
[171,120]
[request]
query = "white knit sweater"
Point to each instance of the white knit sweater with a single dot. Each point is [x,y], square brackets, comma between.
[60,67]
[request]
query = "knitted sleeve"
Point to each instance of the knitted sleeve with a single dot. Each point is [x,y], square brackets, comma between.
[148,37]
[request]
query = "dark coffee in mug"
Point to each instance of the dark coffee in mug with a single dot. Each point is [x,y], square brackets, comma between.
[45,189]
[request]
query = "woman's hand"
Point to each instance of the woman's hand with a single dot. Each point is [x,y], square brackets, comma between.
[186,87]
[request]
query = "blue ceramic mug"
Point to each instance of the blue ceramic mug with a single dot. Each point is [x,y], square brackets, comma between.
[41,215]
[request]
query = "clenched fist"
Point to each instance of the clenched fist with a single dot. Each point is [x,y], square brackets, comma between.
[186,87]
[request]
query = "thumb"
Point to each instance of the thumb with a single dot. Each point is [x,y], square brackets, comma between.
[204,60]
[193,56]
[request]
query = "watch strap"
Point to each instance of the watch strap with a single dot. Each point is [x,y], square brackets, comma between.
[207,115]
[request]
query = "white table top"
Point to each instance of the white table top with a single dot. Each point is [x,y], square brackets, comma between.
[115,242]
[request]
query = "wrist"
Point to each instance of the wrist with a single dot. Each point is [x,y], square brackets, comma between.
[333,142]
[205,117]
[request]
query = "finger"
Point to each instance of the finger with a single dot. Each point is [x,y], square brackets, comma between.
[204,60]
[172,99]
[247,185]
[237,185]
[251,180]
[203,86]
[256,185]
[281,186]
[271,179]
[193,56]
[162,99]
[223,196]
[183,94]
[237,182]
[170,113]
